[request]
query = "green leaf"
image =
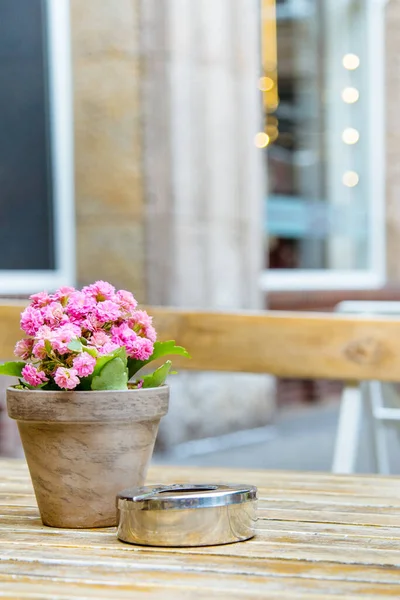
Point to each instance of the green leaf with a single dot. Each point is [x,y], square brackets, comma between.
[167,349]
[160,349]
[48,347]
[103,360]
[13,368]
[75,345]
[113,376]
[158,377]
[90,350]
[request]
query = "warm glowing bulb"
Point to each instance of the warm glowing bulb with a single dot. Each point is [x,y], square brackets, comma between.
[261,139]
[265,84]
[350,178]
[350,95]
[351,61]
[272,133]
[350,135]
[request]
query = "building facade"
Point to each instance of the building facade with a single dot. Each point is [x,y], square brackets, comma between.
[221,152]
[243,136]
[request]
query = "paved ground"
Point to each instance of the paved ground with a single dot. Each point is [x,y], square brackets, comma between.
[301,439]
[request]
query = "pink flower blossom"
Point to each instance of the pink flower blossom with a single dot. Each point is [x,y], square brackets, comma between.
[53,313]
[44,333]
[39,350]
[106,318]
[84,364]
[125,300]
[99,338]
[141,322]
[100,290]
[39,300]
[131,345]
[120,334]
[23,348]
[63,293]
[151,333]
[31,320]
[90,323]
[141,317]
[62,336]
[108,348]
[141,348]
[107,311]
[66,378]
[136,346]
[33,376]
[79,306]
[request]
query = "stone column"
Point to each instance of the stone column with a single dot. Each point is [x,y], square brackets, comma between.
[205,185]
[204,175]
[108,142]
[392,91]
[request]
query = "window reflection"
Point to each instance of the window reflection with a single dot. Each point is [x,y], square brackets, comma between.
[315,122]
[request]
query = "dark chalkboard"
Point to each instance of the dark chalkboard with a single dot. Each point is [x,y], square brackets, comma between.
[26,191]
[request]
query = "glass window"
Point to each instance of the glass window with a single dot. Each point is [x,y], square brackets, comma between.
[36,198]
[322,129]
[25,174]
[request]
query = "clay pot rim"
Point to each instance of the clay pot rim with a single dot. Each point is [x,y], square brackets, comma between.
[40,391]
[87,406]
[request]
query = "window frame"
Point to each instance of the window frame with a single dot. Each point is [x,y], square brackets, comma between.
[61,136]
[373,277]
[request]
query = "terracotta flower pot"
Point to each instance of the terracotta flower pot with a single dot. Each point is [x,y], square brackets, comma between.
[84,447]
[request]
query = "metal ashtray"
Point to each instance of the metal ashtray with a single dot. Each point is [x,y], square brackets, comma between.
[187,514]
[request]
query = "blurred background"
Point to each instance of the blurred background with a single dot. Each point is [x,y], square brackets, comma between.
[222,154]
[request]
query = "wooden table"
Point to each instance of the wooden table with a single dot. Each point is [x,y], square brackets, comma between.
[318,536]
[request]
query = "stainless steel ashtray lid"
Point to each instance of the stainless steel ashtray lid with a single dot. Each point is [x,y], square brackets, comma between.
[187,514]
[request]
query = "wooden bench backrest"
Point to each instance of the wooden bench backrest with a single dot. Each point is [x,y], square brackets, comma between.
[288,344]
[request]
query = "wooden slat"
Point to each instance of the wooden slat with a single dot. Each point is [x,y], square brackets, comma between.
[285,344]
[198,584]
[112,562]
[318,536]
[10,332]
[59,590]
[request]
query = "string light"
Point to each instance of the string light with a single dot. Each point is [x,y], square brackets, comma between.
[350,95]
[261,139]
[265,84]
[350,178]
[272,133]
[271,108]
[351,61]
[350,135]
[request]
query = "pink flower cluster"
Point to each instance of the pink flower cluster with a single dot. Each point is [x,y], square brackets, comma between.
[102,318]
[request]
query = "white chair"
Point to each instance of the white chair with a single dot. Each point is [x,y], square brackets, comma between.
[372,404]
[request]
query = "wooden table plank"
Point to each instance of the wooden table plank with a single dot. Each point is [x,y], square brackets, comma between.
[67,591]
[171,583]
[318,536]
[267,536]
[31,522]
[177,561]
